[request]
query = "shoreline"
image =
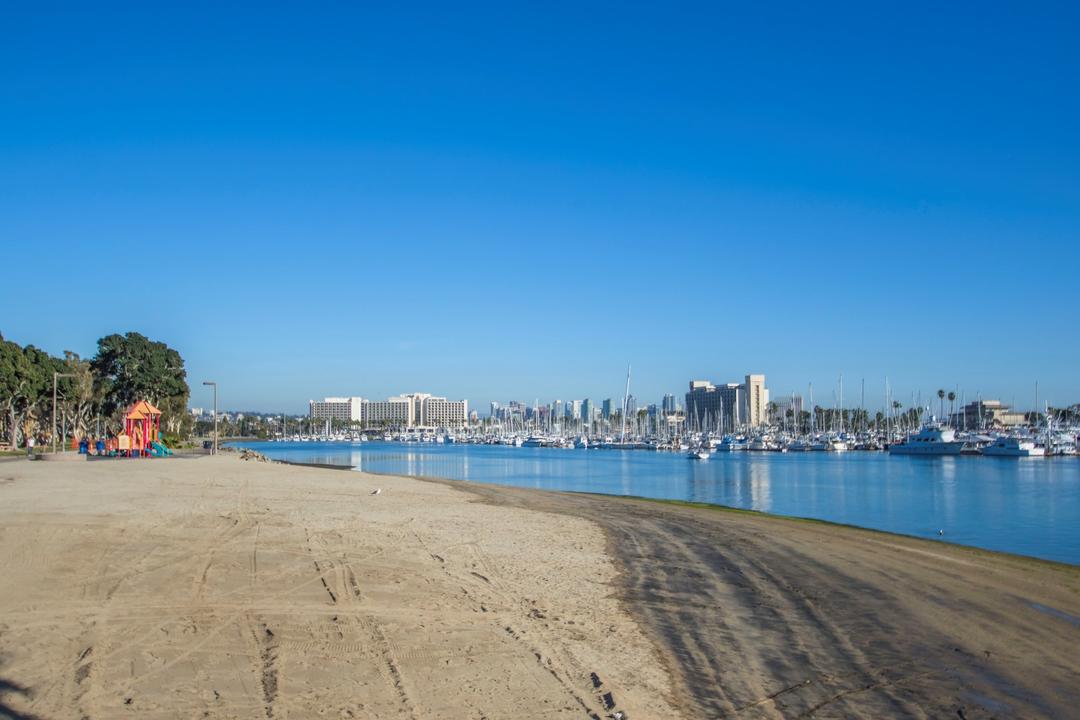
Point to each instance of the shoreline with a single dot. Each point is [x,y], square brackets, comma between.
[771,616]
[704,506]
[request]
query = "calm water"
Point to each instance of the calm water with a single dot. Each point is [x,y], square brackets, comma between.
[1028,506]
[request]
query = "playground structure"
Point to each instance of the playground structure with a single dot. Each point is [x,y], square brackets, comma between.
[142,432]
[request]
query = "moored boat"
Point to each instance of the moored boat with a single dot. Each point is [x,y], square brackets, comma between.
[932,439]
[1013,446]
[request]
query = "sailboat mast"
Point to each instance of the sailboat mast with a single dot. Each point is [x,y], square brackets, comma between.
[625,400]
[862,404]
[841,404]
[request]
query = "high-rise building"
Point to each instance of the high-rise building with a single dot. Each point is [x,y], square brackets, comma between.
[400,411]
[756,399]
[396,411]
[631,406]
[494,409]
[669,404]
[729,406]
[348,409]
[440,412]
[557,411]
[608,408]
[587,411]
[573,409]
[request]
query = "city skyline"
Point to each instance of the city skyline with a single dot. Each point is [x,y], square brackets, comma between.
[825,397]
[519,203]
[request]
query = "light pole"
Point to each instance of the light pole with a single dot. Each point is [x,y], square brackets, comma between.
[56,375]
[211,382]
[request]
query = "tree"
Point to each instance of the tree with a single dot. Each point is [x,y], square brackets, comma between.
[21,386]
[79,398]
[952,403]
[131,367]
[941,398]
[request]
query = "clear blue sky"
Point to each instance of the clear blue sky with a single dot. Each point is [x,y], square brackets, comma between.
[500,201]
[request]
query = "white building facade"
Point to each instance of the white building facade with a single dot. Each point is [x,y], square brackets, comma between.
[756,399]
[410,410]
[345,409]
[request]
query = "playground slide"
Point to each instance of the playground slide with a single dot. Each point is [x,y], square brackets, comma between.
[160,450]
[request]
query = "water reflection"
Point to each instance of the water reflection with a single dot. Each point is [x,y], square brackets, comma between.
[760,498]
[1030,506]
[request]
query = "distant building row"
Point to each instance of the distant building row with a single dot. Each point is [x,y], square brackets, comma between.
[413,409]
[585,410]
[728,406]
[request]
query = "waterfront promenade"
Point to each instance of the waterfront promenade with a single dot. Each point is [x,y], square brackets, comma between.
[218,588]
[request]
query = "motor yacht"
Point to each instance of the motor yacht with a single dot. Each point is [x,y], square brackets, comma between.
[932,439]
[1014,446]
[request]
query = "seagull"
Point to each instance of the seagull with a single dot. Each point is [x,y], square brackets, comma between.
[940,532]
[376,491]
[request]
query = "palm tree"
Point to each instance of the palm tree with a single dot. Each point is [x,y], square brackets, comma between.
[941,397]
[952,405]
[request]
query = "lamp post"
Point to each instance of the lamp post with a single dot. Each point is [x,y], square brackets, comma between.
[211,382]
[56,375]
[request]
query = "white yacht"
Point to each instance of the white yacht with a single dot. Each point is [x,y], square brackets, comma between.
[732,444]
[1013,446]
[932,439]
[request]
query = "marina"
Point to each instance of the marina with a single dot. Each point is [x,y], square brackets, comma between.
[1028,506]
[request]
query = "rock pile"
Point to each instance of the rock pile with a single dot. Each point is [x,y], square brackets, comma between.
[252,455]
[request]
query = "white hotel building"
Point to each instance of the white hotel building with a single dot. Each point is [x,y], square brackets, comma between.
[348,409]
[410,410]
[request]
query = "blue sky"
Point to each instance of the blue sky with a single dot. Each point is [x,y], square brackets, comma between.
[508,200]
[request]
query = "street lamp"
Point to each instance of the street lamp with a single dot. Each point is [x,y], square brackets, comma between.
[210,382]
[56,375]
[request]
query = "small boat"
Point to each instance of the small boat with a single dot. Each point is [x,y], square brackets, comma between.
[799,446]
[701,454]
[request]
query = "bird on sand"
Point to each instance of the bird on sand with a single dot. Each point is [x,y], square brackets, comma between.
[376,491]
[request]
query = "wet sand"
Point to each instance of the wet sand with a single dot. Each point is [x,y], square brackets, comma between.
[765,617]
[213,587]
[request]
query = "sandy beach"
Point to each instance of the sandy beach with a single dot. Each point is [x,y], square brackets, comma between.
[213,587]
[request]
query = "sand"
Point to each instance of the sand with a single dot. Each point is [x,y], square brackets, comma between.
[765,617]
[212,587]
